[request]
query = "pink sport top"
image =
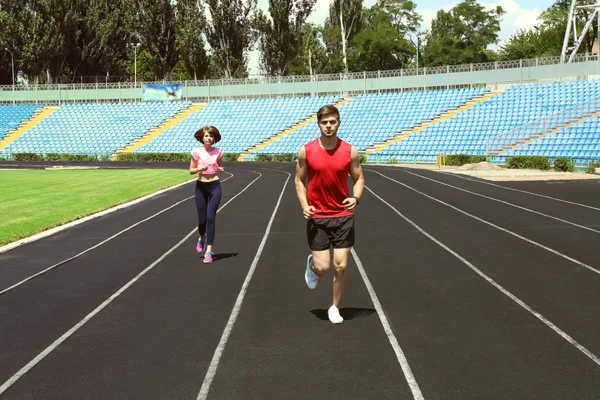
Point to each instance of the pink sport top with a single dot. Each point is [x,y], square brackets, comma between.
[208,158]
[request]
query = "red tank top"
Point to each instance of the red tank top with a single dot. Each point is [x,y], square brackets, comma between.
[328,178]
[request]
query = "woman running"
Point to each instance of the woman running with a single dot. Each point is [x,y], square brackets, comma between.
[206,162]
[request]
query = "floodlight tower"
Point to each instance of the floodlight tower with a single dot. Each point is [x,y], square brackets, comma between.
[572,25]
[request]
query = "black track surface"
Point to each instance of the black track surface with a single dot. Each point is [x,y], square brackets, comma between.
[463,338]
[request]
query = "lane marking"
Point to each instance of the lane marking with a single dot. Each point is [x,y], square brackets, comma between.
[74,329]
[523,191]
[410,378]
[71,224]
[97,245]
[506,202]
[214,364]
[495,226]
[539,316]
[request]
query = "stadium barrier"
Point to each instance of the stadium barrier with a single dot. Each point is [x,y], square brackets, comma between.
[493,75]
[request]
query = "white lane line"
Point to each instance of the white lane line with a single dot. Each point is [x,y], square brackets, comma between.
[74,329]
[507,203]
[539,316]
[523,191]
[410,378]
[495,226]
[214,364]
[97,245]
[68,225]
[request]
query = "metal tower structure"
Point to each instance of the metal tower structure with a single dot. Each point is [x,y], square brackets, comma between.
[572,26]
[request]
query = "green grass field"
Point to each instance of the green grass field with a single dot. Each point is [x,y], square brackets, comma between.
[35,200]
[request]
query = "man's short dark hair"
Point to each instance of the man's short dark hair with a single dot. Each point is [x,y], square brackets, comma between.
[328,110]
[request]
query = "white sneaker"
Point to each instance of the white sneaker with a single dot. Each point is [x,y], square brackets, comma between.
[309,276]
[334,315]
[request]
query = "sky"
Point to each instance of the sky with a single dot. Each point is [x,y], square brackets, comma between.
[519,14]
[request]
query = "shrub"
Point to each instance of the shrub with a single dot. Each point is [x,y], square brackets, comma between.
[153,157]
[230,156]
[363,159]
[563,164]
[462,159]
[263,157]
[591,168]
[27,157]
[528,162]
[287,157]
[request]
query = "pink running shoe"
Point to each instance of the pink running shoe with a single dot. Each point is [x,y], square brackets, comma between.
[208,257]
[200,245]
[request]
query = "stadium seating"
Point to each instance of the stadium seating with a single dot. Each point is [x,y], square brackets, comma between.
[101,129]
[242,123]
[371,118]
[469,131]
[11,116]
[93,129]
[581,142]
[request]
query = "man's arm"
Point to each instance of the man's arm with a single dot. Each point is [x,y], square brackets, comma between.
[301,174]
[358,179]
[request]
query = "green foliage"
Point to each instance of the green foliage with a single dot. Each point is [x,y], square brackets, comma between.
[462,159]
[591,168]
[463,34]
[528,162]
[363,158]
[192,22]
[281,34]
[311,58]
[261,157]
[230,34]
[27,157]
[230,156]
[68,157]
[564,165]
[153,157]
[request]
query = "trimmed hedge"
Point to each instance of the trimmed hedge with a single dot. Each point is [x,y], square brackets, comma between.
[528,162]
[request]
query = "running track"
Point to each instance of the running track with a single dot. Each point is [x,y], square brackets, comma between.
[459,289]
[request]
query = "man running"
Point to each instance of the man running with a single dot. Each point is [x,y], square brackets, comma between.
[329,209]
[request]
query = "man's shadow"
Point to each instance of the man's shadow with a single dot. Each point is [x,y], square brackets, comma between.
[221,256]
[348,313]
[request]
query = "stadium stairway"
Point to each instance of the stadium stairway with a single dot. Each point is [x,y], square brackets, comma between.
[152,133]
[36,118]
[286,132]
[400,136]
[524,142]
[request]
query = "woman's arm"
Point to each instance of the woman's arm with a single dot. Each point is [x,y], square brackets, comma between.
[194,170]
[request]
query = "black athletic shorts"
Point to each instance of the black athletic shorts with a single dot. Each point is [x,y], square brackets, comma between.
[326,232]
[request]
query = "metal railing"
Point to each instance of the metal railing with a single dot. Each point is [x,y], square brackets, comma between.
[541,127]
[121,82]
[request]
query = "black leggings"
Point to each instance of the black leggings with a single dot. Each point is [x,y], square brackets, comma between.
[208,197]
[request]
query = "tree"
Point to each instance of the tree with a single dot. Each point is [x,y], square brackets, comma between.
[156,23]
[103,34]
[463,34]
[230,35]
[523,44]
[383,43]
[344,22]
[281,34]
[190,41]
[311,58]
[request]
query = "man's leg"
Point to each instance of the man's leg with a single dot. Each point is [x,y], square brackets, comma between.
[340,277]
[320,262]
[317,263]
